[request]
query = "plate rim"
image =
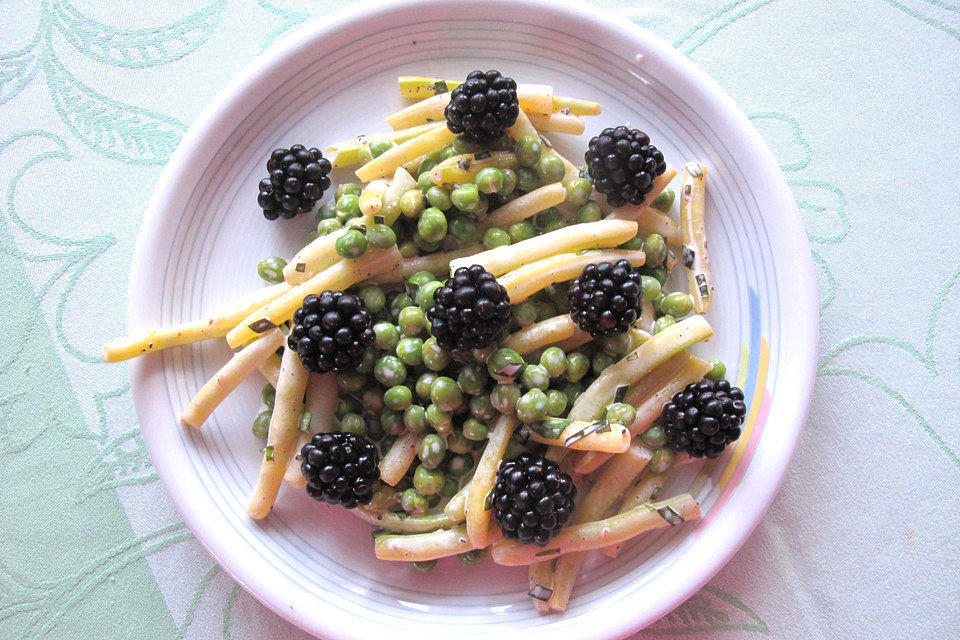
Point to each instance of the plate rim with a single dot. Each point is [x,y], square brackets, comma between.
[226,100]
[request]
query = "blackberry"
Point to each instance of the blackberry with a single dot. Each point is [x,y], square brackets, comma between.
[469,311]
[532,499]
[331,331]
[606,298]
[483,106]
[704,417]
[296,181]
[340,468]
[622,164]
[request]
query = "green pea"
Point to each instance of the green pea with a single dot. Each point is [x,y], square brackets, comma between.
[664,201]
[389,371]
[578,191]
[399,302]
[600,362]
[428,481]
[431,450]
[532,406]
[572,390]
[482,409]
[415,418]
[519,231]
[458,443]
[535,376]
[545,311]
[268,394]
[326,211]
[432,225]
[472,558]
[677,304]
[546,218]
[718,371]
[589,212]
[472,378]
[554,361]
[651,288]
[466,197]
[634,244]
[577,366]
[410,351]
[450,486]
[412,203]
[509,182]
[381,236]
[373,298]
[398,398]
[655,248]
[409,249]
[459,465]
[463,228]
[386,336]
[660,273]
[502,365]
[528,150]
[379,146]
[261,424]
[347,188]
[346,405]
[525,313]
[391,422]
[350,382]
[424,183]
[446,393]
[271,269]
[439,198]
[661,461]
[423,566]
[367,362]
[447,152]
[412,502]
[434,358]
[489,180]
[550,168]
[420,278]
[353,423]
[463,144]
[483,204]
[663,322]
[348,206]
[385,443]
[424,382]
[352,244]
[617,344]
[475,430]
[554,226]
[655,436]
[527,179]
[326,227]
[494,237]
[426,165]
[425,294]
[441,421]
[412,320]
[621,413]
[556,402]
[504,397]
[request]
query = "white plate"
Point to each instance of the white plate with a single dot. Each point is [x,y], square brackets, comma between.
[203,236]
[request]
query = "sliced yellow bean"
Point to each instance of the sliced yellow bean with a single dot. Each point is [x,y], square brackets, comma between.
[216,326]
[386,164]
[418,88]
[694,235]
[587,235]
[525,281]
[540,334]
[464,168]
[425,546]
[398,459]
[478,511]
[525,206]
[615,439]
[558,123]
[322,397]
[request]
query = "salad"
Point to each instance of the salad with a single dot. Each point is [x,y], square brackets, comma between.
[476,350]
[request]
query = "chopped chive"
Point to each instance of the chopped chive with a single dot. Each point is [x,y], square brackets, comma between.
[488,501]
[547,552]
[301,267]
[379,220]
[688,255]
[305,421]
[702,285]
[670,515]
[540,593]
[268,453]
[483,155]
[620,393]
[440,86]
[261,326]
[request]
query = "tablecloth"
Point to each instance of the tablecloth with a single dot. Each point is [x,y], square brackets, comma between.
[858,100]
